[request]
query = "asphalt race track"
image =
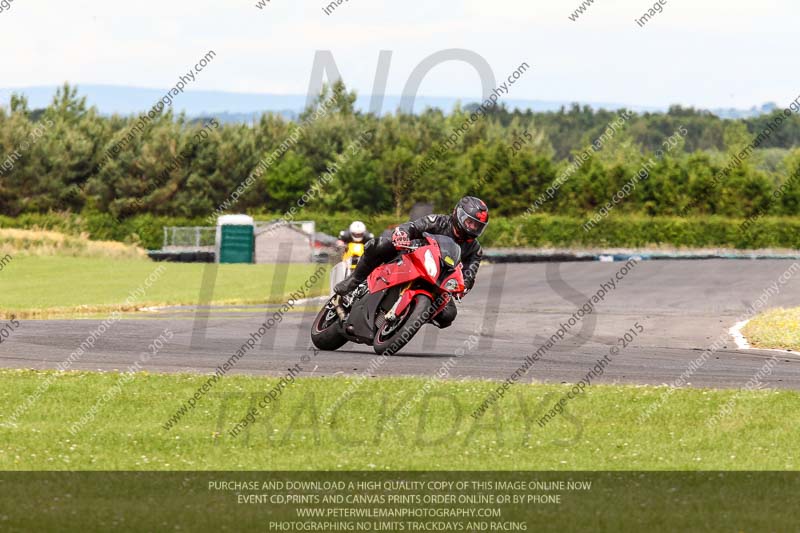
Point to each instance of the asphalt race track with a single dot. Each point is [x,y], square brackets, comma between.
[683,307]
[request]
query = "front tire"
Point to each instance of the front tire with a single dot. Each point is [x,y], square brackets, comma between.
[326,332]
[392,337]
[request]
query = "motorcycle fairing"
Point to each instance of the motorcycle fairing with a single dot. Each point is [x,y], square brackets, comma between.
[393,273]
[360,323]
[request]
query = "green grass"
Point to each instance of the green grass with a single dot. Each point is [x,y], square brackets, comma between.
[600,431]
[778,328]
[33,286]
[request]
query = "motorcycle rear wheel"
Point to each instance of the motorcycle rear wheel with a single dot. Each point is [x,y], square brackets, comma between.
[393,336]
[326,332]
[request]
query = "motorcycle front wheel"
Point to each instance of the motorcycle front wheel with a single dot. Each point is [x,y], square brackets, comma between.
[394,335]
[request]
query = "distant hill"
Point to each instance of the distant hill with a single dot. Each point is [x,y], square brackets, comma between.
[245,107]
[745,113]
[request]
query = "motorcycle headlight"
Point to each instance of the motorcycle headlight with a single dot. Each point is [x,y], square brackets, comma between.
[451,285]
[430,264]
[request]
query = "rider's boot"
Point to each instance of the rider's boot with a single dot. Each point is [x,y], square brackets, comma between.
[376,251]
[359,275]
[347,285]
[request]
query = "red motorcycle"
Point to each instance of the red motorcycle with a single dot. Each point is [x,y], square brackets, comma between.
[397,299]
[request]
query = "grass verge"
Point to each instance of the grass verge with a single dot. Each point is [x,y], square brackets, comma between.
[39,287]
[778,328]
[598,431]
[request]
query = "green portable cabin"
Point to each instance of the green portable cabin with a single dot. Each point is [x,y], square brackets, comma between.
[235,239]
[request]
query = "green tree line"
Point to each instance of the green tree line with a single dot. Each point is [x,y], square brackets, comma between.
[57,160]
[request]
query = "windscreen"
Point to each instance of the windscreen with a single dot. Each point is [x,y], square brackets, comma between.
[450,251]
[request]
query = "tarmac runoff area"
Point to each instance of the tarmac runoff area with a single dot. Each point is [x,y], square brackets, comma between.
[683,307]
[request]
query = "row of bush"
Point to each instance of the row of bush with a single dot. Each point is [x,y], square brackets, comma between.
[639,231]
[521,231]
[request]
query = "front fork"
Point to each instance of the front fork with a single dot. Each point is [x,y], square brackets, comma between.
[392,313]
[407,296]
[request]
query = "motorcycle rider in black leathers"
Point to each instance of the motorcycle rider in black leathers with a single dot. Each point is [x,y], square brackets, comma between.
[467,222]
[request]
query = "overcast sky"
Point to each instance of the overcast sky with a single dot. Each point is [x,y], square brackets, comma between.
[709,53]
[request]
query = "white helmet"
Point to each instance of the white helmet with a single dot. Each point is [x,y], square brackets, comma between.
[357,230]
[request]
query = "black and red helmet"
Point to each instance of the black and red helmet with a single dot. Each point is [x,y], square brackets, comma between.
[470,217]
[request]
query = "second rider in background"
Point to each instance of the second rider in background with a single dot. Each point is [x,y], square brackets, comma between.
[356,233]
[352,242]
